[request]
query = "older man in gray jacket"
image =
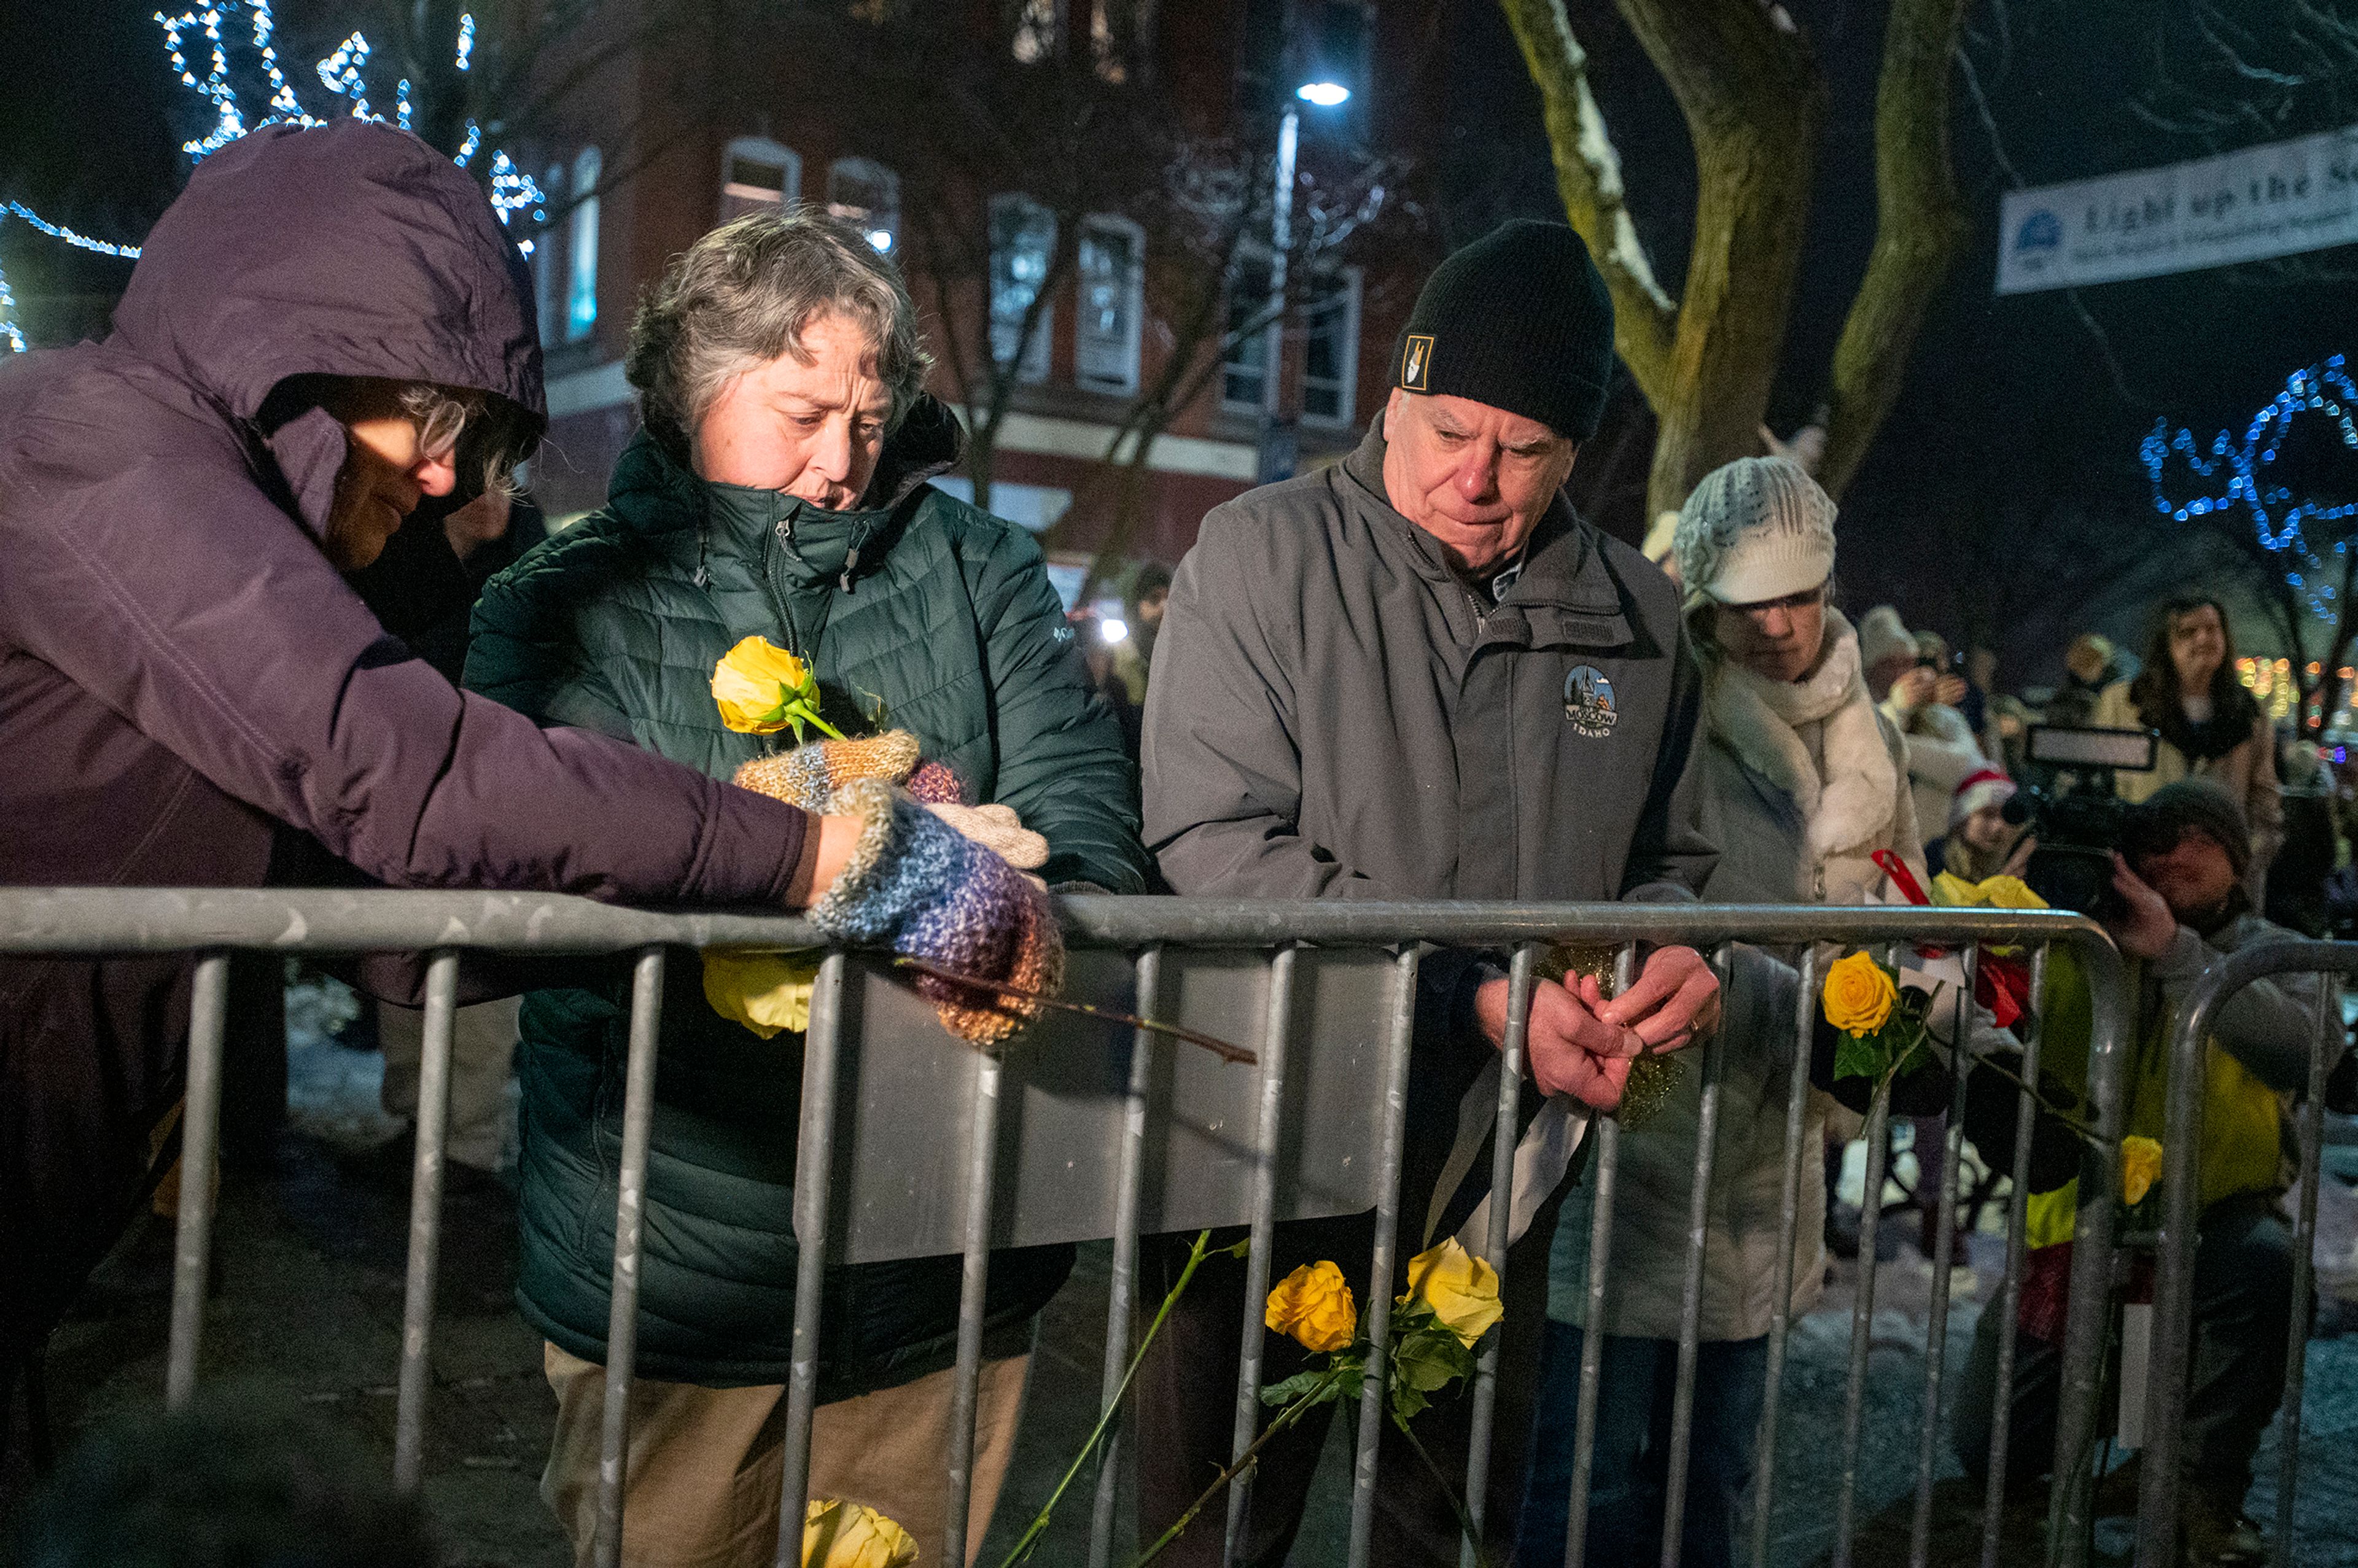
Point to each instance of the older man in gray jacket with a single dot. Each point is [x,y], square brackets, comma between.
[1418,674]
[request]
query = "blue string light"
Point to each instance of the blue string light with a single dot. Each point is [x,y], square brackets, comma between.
[2283,523]
[466,39]
[60,231]
[17,344]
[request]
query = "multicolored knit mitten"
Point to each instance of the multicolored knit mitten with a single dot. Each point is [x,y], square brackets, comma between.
[809,775]
[928,890]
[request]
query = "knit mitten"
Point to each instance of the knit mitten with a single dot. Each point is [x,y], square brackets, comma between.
[809,775]
[920,886]
[998,829]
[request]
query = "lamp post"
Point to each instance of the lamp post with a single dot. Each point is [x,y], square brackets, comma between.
[1277,446]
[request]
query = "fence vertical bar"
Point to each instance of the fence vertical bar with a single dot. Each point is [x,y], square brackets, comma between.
[1130,1163]
[1674,1489]
[1522,971]
[1399,1032]
[981,1165]
[1271,1110]
[813,1193]
[193,1246]
[1606,1130]
[424,1217]
[1789,1222]
[2017,1219]
[2304,1248]
[1862,1321]
[2088,1319]
[1944,1217]
[630,1218]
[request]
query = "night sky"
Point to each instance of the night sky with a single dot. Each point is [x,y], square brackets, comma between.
[2003,498]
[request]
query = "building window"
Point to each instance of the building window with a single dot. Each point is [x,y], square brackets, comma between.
[548,254]
[758,174]
[1039,28]
[1022,244]
[866,195]
[1244,369]
[1110,260]
[581,249]
[1328,312]
[1330,365]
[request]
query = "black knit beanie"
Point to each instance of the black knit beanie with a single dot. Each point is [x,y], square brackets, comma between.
[2191,806]
[1518,319]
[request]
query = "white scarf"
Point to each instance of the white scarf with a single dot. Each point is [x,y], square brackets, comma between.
[1849,810]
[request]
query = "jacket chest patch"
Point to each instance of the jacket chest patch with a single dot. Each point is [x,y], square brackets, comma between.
[1588,702]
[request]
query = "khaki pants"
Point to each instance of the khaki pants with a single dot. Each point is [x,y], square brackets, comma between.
[483,1047]
[705,1467]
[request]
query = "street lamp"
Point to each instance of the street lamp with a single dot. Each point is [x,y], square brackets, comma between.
[1277,447]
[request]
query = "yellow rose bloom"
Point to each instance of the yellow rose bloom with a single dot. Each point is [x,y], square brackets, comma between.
[2009,892]
[1314,1306]
[766,992]
[1461,1289]
[837,1534]
[2140,1168]
[754,683]
[1858,995]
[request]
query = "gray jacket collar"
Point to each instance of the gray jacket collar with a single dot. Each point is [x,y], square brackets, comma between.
[1567,594]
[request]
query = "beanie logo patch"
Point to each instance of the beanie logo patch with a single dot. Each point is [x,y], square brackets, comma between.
[1416,364]
[1588,702]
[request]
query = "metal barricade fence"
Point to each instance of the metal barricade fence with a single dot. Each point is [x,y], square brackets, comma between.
[2173,1296]
[1110,1138]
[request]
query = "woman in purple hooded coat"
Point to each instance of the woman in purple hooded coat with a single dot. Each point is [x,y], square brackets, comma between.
[326,327]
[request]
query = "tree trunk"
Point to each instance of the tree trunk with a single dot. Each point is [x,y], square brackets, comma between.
[1918,230]
[1752,101]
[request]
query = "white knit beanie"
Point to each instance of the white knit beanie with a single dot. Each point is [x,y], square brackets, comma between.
[1755,529]
[1883,636]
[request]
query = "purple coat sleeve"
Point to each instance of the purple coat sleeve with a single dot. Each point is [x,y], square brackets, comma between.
[183,599]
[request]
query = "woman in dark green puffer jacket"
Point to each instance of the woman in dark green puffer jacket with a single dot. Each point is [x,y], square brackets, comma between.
[777,491]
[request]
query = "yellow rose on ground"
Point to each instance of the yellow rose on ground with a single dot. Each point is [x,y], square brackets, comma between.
[2009,892]
[2140,1168]
[1461,1289]
[1858,995]
[754,683]
[766,992]
[837,1534]
[1314,1304]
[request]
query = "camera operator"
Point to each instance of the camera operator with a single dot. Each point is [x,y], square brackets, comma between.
[2182,899]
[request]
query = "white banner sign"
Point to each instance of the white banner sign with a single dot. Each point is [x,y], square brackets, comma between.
[2271,200]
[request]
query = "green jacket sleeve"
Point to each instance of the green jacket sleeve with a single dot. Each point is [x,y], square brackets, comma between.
[1061,763]
[522,651]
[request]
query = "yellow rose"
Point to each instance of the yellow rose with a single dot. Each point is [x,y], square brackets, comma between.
[2140,1168]
[1314,1306]
[766,992]
[1858,995]
[837,1534]
[1954,892]
[1461,1289]
[2009,892]
[755,682]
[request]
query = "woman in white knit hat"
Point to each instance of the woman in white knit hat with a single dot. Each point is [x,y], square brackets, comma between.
[1806,782]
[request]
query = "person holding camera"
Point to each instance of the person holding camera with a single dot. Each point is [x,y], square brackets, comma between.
[2180,882]
[2210,724]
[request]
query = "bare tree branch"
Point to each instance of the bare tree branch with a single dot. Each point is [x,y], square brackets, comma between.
[1588,179]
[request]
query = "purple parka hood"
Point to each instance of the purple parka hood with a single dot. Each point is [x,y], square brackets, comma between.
[348,249]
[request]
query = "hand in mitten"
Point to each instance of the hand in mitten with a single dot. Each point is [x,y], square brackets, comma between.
[808,776]
[930,892]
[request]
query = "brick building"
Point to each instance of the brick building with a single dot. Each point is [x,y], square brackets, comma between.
[661,133]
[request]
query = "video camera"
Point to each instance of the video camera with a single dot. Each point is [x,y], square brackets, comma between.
[2075,814]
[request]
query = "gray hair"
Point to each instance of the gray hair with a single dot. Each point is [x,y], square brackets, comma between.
[485,437]
[744,294]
